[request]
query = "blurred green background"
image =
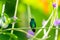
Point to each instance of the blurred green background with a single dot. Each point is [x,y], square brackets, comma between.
[40,10]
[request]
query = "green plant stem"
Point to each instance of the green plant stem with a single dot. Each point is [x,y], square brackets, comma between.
[56,34]
[12,28]
[44,25]
[2,14]
[14,16]
[50,27]
[16,29]
[27,28]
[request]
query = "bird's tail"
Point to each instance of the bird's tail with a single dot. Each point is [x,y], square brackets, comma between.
[33,30]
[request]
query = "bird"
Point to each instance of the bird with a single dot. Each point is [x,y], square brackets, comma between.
[33,24]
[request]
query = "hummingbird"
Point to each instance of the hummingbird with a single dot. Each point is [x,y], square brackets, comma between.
[33,24]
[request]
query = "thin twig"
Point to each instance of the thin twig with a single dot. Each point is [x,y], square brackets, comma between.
[2,14]
[3,10]
[44,25]
[51,25]
[52,21]
[56,34]
[22,31]
[14,16]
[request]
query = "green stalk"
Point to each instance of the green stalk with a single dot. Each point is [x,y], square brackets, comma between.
[14,16]
[44,25]
[56,34]
[52,21]
[2,14]
[17,29]
[50,27]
